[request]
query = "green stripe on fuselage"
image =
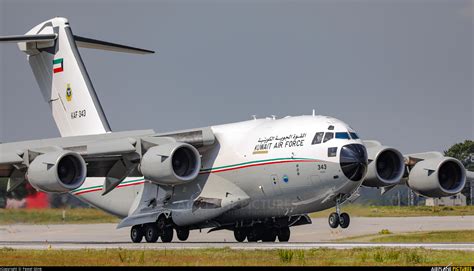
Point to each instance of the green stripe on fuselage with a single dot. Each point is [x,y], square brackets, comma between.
[100,186]
[252,162]
[207,169]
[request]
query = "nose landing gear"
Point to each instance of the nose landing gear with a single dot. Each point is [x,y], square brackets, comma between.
[338,219]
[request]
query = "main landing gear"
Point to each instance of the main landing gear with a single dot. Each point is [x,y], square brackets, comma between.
[338,219]
[267,230]
[163,228]
[262,233]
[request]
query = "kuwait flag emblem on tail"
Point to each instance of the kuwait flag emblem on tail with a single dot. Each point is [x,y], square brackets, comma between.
[58,65]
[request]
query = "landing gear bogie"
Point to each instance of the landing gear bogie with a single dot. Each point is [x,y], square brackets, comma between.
[163,228]
[264,233]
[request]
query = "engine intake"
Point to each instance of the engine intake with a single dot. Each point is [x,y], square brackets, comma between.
[171,164]
[437,177]
[386,167]
[61,171]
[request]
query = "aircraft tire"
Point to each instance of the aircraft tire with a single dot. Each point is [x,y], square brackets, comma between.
[269,236]
[151,233]
[167,235]
[344,220]
[182,234]
[136,233]
[240,235]
[253,235]
[333,220]
[284,234]
[161,224]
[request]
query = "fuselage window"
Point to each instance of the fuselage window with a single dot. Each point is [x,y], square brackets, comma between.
[318,138]
[332,152]
[354,136]
[328,136]
[342,135]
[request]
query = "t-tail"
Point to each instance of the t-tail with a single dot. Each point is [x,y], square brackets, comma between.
[62,77]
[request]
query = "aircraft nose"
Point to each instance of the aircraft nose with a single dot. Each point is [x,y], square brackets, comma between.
[353,160]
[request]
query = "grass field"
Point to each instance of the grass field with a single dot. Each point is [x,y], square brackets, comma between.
[395,211]
[385,236]
[55,216]
[229,257]
[91,215]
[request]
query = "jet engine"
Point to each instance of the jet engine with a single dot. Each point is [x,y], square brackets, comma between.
[386,167]
[60,171]
[171,164]
[437,177]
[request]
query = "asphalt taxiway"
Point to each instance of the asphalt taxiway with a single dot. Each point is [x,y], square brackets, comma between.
[316,235]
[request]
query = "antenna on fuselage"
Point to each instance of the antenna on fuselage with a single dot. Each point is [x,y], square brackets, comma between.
[314,112]
[273,117]
[254,117]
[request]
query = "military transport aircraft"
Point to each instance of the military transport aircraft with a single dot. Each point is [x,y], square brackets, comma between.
[256,178]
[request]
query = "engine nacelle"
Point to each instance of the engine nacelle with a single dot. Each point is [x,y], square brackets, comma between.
[60,171]
[437,177]
[171,164]
[386,167]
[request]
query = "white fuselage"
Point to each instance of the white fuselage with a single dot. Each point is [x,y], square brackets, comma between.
[274,161]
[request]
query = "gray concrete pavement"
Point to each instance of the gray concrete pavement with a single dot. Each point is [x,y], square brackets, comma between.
[318,234]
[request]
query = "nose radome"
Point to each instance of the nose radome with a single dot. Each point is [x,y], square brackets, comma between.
[353,160]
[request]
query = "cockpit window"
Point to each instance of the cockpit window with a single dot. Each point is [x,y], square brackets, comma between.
[318,138]
[342,136]
[354,135]
[332,152]
[328,136]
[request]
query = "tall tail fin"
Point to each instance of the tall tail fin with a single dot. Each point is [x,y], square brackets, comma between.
[58,68]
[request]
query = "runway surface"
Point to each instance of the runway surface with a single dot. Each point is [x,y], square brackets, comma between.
[316,235]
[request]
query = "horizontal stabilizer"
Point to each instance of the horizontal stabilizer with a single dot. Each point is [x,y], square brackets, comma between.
[108,46]
[29,38]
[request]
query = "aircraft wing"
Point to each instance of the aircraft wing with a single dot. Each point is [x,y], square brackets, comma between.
[113,155]
[430,174]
